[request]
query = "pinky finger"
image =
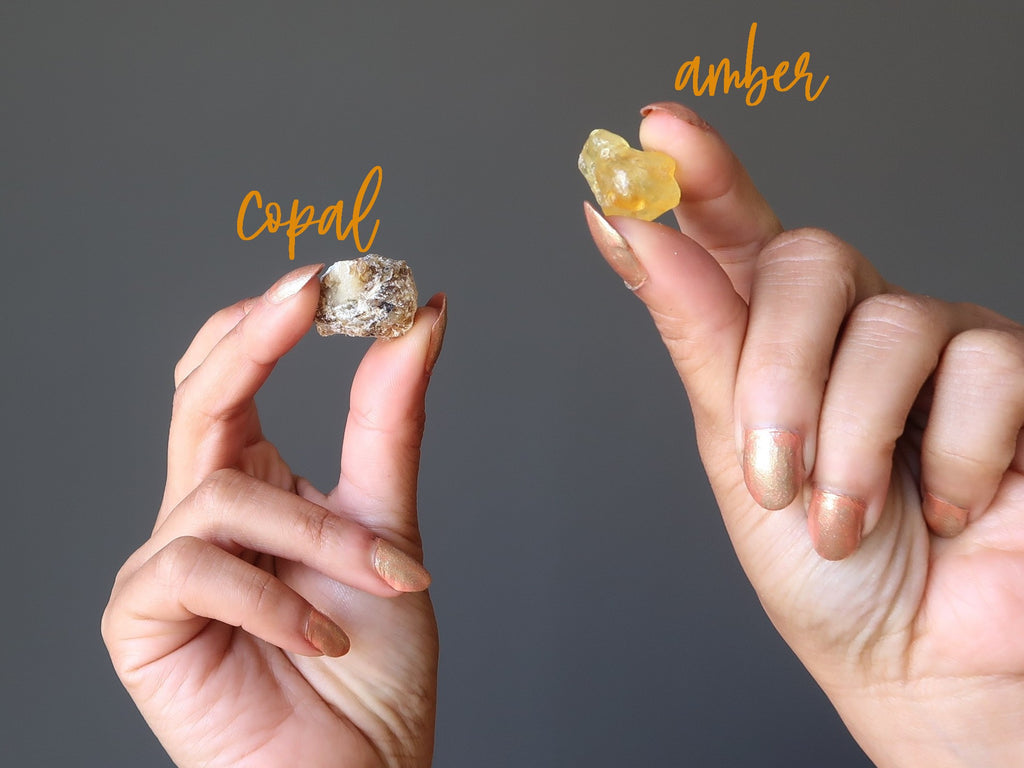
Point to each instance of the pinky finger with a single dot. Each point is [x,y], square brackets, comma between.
[172,598]
[973,432]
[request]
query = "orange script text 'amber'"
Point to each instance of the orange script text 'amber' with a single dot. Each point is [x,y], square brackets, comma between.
[302,219]
[754,79]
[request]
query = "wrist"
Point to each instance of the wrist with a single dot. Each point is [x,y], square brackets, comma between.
[938,722]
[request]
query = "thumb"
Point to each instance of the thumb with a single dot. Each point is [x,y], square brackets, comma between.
[701,318]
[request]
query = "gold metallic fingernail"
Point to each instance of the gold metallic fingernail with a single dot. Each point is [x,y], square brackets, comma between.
[835,522]
[439,302]
[292,283]
[327,636]
[399,570]
[945,519]
[772,466]
[615,249]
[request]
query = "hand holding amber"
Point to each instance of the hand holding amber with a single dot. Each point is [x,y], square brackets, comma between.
[864,446]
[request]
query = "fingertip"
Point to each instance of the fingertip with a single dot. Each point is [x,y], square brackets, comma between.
[719,205]
[614,248]
[772,466]
[275,322]
[400,571]
[943,518]
[681,278]
[326,636]
[438,328]
[676,110]
[706,167]
[835,522]
[292,283]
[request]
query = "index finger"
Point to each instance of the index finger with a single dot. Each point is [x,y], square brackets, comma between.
[213,417]
[719,205]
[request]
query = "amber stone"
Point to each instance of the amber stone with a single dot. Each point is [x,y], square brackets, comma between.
[627,181]
[368,296]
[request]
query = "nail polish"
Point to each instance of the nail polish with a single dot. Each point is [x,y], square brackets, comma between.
[615,249]
[437,330]
[772,466]
[944,519]
[292,283]
[325,635]
[835,522]
[677,111]
[401,572]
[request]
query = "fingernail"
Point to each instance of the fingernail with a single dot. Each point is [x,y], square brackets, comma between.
[945,519]
[327,636]
[439,302]
[835,522]
[399,570]
[677,111]
[292,283]
[615,249]
[772,466]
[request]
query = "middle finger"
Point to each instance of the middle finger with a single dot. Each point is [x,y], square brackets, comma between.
[239,513]
[807,283]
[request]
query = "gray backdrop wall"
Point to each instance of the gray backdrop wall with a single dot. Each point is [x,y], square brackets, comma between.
[558,434]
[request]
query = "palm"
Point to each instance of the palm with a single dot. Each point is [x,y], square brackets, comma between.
[972,614]
[310,709]
[924,607]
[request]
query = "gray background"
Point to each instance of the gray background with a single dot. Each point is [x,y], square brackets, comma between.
[591,609]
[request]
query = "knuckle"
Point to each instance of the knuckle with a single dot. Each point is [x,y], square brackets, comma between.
[107,622]
[175,564]
[843,427]
[318,527]
[996,350]
[782,361]
[887,317]
[813,257]
[181,396]
[819,239]
[403,425]
[690,346]
[953,459]
[367,495]
[219,489]
[368,418]
[895,306]
[260,591]
[181,370]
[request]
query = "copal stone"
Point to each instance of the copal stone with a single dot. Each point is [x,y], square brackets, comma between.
[627,181]
[368,296]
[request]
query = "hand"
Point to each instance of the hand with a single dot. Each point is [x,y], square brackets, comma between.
[864,445]
[225,626]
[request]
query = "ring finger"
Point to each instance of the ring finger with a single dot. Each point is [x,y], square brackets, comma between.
[890,347]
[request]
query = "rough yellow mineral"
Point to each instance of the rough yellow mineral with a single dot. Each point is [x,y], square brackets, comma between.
[627,181]
[368,296]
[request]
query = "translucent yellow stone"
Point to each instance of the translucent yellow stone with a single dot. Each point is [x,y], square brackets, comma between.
[627,181]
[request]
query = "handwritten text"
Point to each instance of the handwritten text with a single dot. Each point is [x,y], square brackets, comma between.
[302,219]
[754,79]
